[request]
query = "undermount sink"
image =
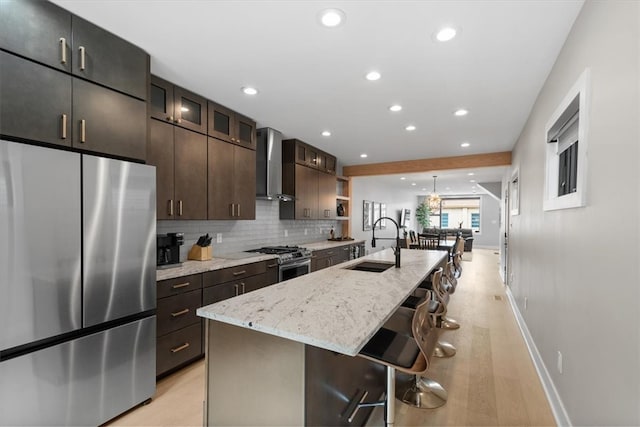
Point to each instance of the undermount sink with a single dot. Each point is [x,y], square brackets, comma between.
[372,266]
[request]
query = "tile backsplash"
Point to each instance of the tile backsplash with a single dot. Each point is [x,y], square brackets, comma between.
[237,236]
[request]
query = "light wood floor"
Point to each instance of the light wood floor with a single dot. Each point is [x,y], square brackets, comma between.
[491,381]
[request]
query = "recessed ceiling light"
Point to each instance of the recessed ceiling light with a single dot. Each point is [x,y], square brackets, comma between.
[424,189]
[461,112]
[363,155]
[332,17]
[472,180]
[446,34]
[326,133]
[465,145]
[373,75]
[248,90]
[402,178]
[471,174]
[410,128]
[413,183]
[395,107]
[448,188]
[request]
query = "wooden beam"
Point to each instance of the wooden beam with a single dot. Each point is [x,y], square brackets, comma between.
[428,165]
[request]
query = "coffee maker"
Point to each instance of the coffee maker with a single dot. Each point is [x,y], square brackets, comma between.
[168,248]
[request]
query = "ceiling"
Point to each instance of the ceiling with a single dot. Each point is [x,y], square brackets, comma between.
[311,78]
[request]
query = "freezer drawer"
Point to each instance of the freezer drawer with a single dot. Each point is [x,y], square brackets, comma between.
[86,381]
[40,286]
[119,239]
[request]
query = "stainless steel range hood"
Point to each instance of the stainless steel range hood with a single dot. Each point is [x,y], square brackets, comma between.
[269,166]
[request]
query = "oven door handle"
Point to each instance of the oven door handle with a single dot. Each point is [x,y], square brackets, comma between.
[295,264]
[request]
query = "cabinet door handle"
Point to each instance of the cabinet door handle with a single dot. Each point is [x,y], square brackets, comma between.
[272,265]
[243,287]
[180,348]
[180,313]
[181,285]
[236,287]
[179,207]
[63,126]
[82,58]
[238,209]
[233,209]
[83,131]
[237,273]
[170,207]
[63,50]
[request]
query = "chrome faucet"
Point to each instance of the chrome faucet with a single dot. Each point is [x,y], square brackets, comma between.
[396,250]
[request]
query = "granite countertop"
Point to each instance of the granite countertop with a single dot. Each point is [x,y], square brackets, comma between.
[235,259]
[328,244]
[216,263]
[335,308]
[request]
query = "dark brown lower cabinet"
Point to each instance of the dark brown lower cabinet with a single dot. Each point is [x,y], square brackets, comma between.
[328,257]
[177,348]
[179,330]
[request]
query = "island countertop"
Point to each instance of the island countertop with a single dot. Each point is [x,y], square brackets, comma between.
[336,309]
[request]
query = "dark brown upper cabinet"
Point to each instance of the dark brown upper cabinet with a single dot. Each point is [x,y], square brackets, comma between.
[231,181]
[229,126]
[50,35]
[45,105]
[38,30]
[180,158]
[176,105]
[107,59]
[313,188]
[327,163]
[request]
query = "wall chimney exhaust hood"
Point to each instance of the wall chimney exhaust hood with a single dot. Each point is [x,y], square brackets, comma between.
[269,166]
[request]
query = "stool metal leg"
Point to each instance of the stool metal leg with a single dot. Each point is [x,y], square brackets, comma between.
[427,397]
[391,396]
[436,392]
[444,349]
[448,323]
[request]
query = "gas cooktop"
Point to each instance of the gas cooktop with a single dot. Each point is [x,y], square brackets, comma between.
[284,253]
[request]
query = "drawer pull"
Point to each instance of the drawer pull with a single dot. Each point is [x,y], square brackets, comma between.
[180,313]
[237,273]
[272,265]
[82,58]
[181,285]
[180,348]
[236,287]
[243,288]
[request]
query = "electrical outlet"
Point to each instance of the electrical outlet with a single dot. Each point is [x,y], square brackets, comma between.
[526,302]
[306,231]
[219,238]
[286,233]
[559,362]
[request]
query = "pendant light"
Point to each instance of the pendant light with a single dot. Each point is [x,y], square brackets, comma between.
[434,199]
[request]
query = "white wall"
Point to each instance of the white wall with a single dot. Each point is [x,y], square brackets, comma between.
[579,267]
[369,188]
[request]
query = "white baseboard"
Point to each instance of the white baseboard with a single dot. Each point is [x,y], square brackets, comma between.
[559,411]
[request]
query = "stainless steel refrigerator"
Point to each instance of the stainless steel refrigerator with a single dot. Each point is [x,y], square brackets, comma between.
[77,286]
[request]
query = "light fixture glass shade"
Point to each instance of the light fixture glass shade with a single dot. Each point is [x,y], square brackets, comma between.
[434,200]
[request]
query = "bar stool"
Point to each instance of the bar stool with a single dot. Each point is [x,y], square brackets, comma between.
[408,354]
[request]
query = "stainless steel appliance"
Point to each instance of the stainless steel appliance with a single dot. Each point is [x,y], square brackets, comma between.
[269,165]
[168,249]
[293,261]
[77,279]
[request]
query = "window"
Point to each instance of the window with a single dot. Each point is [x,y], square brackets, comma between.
[444,220]
[475,221]
[566,146]
[461,213]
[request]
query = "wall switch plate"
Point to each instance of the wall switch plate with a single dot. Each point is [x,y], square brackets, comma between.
[526,302]
[286,233]
[559,362]
[219,238]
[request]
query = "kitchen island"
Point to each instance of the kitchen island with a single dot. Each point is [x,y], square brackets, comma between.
[269,350]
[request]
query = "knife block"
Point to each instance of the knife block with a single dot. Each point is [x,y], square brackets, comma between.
[199,253]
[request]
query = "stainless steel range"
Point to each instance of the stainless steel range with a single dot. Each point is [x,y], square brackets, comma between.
[293,261]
